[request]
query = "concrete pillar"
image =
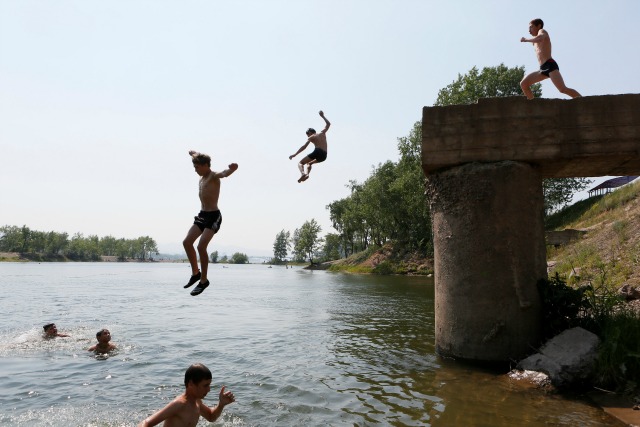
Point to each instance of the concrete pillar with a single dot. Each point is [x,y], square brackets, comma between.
[489,254]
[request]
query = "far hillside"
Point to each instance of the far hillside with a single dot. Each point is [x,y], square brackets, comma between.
[608,253]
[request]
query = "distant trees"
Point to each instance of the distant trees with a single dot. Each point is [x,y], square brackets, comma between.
[306,244]
[390,205]
[306,241]
[281,246]
[239,258]
[214,257]
[81,248]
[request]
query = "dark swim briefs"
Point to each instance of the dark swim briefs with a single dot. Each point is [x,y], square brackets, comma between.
[548,67]
[319,155]
[211,220]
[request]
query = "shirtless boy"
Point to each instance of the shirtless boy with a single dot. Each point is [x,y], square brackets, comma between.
[548,67]
[318,155]
[208,221]
[186,409]
[51,331]
[104,346]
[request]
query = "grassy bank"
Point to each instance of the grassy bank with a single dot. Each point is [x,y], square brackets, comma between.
[384,260]
[589,272]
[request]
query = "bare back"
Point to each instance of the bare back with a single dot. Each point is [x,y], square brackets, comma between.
[543,47]
[319,140]
[209,192]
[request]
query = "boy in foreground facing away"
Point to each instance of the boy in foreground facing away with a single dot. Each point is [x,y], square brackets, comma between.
[186,409]
[208,221]
[104,346]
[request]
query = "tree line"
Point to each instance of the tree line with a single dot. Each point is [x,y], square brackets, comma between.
[391,204]
[77,248]
[236,258]
[305,244]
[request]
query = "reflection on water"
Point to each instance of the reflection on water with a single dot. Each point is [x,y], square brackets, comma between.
[297,348]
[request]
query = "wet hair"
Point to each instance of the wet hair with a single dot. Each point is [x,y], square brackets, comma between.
[201,159]
[196,373]
[311,131]
[100,332]
[48,325]
[537,22]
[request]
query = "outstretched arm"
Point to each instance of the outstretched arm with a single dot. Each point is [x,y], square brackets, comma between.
[326,128]
[224,399]
[300,149]
[225,173]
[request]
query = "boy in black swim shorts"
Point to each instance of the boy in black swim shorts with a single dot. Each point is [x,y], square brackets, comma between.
[548,67]
[319,154]
[207,223]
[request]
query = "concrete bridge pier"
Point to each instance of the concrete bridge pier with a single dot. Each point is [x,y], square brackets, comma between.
[489,254]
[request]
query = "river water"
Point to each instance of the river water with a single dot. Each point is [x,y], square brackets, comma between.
[296,347]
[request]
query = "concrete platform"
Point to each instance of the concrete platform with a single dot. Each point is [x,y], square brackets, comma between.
[582,137]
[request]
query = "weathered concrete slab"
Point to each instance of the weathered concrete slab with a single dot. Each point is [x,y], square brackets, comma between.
[582,137]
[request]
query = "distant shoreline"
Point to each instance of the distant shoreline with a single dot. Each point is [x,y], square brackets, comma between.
[28,257]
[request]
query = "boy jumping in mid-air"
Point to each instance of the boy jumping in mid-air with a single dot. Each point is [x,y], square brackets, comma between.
[549,68]
[318,155]
[208,221]
[186,409]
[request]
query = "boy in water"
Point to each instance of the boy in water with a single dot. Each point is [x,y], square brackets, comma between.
[186,409]
[208,221]
[318,155]
[549,68]
[104,346]
[51,331]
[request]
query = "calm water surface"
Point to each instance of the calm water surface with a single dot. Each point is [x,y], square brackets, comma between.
[297,348]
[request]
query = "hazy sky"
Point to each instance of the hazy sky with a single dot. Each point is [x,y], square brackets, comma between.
[100,101]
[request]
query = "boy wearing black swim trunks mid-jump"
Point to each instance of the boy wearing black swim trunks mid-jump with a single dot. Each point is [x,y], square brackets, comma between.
[208,221]
[319,155]
[548,67]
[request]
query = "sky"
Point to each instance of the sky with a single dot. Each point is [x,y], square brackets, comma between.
[100,101]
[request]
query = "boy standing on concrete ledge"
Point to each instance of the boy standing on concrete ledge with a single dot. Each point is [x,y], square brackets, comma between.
[549,68]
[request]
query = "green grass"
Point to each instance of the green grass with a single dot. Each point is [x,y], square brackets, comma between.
[570,214]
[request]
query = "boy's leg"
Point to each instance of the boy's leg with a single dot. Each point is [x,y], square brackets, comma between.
[303,162]
[558,81]
[312,162]
[193,233]
[303,176]
[206,237]
[530,79]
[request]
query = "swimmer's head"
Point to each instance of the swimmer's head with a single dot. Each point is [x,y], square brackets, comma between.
[49,327]
[311,131]
[197,373]
[102,332]
[201,159]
